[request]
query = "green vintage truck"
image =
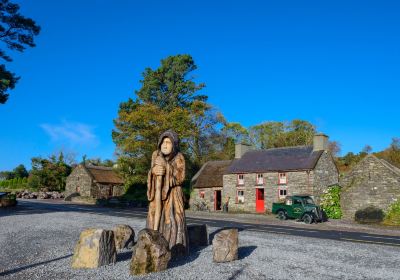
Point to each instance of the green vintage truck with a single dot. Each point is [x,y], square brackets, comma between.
[301,207]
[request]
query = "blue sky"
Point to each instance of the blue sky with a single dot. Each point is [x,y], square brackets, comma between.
[335,64]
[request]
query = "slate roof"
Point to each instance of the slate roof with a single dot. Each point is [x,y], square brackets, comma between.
[210,174]
[276,159]
[104,175]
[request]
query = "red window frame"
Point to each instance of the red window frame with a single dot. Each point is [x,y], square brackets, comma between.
[262,179]
[240,180]
[201,194]
[279,178]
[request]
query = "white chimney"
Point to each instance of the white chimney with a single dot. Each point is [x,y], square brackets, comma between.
[241,149]
[320,142]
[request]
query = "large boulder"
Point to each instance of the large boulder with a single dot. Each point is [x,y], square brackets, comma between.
[225,245]
[198,235]
[124,237]
[95,248]
[150,254]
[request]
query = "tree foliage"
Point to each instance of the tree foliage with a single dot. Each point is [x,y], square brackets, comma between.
[16,33]
[392,153]
[20,171]
[167,99]
[50,173]
[282,134]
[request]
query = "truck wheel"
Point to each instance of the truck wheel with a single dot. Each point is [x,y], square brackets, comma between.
[282,215]
[307,218]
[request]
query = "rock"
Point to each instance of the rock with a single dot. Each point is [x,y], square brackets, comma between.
[124,237]
[150,254]
[43,195]
[95,248]
[225,245]
[198,235]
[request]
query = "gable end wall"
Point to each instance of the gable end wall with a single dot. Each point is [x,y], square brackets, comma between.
[79,177]
[369,183]
[324,175]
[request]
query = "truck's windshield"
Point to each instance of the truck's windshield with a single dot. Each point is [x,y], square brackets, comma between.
[308,200]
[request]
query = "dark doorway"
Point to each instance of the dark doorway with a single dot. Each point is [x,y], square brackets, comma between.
[217,201]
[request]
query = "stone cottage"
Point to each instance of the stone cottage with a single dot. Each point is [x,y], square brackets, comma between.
[257,178]
[372,182]
[94,181]
[208,182]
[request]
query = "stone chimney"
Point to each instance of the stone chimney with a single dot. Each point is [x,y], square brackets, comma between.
[320,142]
[241,149]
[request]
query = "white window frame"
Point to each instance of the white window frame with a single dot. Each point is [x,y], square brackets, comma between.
[260,179]
[240,199]
[240,178]
[282,178]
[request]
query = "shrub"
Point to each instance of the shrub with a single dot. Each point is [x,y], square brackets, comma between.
[369,215]
[393,214]
[330,202]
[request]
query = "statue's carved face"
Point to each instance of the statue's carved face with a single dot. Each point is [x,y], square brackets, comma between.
[166,146]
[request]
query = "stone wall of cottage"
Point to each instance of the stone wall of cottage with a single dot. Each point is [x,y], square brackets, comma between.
[371,182]
[195,197]
[118,190]
[297,183]
[79,177]
[324,175]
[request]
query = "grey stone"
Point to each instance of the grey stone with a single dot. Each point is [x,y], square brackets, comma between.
[95,248]
[150,254]
[124,237]
[226,245]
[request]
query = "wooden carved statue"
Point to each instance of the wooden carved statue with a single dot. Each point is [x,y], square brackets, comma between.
[164,191]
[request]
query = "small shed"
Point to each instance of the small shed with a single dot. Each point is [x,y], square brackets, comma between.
[94,181]
[207,184]
[372,182]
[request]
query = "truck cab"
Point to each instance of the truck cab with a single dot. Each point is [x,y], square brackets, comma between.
[301,207]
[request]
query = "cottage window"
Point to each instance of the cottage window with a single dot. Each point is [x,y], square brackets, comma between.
[260,179]
[282,179]
[201,194]
[282,192]
[240,179]
[240,196]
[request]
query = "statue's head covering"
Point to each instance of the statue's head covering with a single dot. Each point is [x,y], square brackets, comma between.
[174,139]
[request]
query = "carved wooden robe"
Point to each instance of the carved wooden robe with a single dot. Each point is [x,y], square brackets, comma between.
[172,223]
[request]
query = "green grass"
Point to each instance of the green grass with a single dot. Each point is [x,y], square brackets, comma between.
[392,217]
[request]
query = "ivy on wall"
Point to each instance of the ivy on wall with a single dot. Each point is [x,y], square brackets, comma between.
[330,202]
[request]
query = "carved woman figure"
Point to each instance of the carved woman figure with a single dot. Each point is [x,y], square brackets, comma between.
[164,191]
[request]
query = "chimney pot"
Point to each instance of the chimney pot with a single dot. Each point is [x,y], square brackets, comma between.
[241,149]
[320,142]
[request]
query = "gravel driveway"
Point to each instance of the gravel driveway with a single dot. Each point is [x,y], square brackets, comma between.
[39,246]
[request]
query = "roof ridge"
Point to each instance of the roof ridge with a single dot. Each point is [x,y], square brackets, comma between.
[282,148]
[99,167]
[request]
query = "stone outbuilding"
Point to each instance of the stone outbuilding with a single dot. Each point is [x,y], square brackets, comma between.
[94,181]
[257,178]
[208,182]
[372,182]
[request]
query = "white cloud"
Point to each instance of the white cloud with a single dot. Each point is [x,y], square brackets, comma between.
[71,133]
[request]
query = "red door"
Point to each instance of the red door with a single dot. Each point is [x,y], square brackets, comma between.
[260,201]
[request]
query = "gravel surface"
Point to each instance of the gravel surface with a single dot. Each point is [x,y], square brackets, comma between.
[40,246]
